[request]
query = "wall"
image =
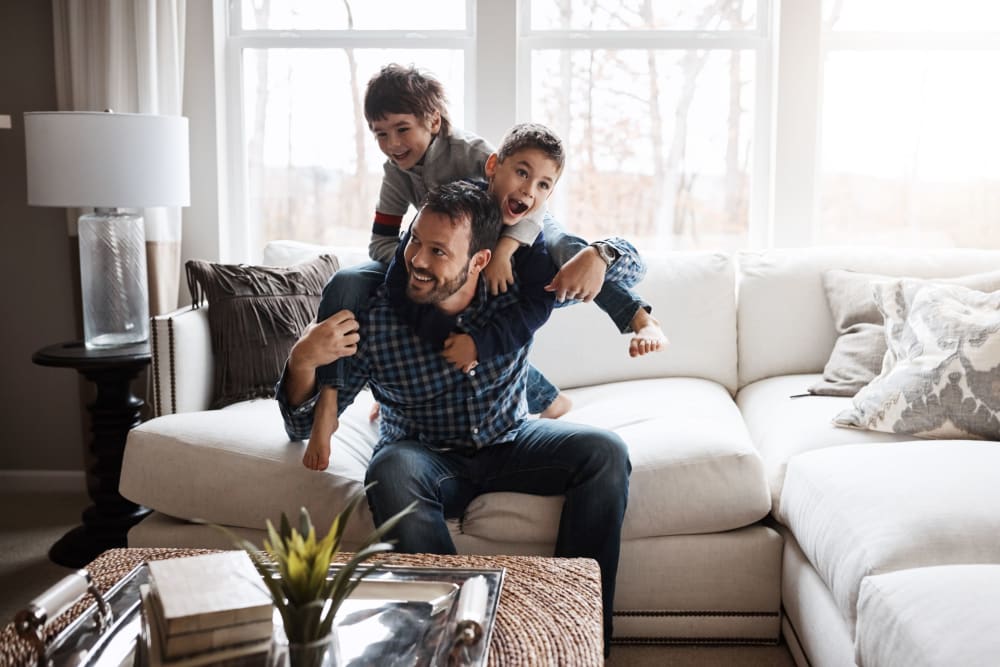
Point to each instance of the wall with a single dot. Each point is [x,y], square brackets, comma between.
[40,413]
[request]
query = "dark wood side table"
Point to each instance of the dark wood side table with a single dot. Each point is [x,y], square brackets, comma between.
[113,413]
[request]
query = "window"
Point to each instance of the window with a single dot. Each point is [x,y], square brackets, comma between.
[910,146]
[658,103]
[307,167]
[689,123]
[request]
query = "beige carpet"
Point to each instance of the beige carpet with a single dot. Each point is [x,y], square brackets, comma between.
[30,523]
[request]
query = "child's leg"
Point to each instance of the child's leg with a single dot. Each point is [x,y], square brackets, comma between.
[348,289]
[325,423]
[544,398]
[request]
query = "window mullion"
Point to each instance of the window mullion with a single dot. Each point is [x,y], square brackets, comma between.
[797,116]
[495,80]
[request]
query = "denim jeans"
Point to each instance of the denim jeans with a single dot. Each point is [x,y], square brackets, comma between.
[352,287]
[588,465]
[616,299]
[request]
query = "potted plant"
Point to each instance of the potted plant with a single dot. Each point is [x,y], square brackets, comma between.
[295,566]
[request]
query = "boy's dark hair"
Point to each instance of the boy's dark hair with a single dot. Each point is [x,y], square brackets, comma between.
[398,89]
[462,199]
[533,135]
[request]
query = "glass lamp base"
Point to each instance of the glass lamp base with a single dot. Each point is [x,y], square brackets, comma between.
[113,279]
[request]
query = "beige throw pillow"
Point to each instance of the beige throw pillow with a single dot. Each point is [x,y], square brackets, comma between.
[941,373]
[860,346]
[256,315]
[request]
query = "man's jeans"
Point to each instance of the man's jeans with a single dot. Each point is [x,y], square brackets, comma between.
[590,466]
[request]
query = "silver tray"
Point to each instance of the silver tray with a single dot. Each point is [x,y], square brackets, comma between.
[406,617]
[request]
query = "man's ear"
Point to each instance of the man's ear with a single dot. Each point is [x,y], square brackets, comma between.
[491,166]
[480,260]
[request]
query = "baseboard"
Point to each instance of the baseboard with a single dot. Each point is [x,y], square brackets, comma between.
[42,481]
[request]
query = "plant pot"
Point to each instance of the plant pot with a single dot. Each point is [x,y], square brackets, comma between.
[323,652]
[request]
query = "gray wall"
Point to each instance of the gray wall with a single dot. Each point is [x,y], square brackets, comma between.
[40,408]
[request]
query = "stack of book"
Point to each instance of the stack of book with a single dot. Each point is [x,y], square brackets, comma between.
[206,610]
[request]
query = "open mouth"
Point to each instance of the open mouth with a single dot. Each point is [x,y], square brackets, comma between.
[400,157]
[516,206]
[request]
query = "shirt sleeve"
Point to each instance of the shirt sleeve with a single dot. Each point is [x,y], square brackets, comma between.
[393,202]
[524,231]
[630,268]
[513,327]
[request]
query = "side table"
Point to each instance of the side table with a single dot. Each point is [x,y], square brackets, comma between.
[113,413]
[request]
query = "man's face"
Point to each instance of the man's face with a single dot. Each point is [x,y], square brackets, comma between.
[404,138]
[522,182]
[437,257]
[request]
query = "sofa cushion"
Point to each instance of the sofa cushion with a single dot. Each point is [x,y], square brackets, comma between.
[784,420]
[941,374]
[694,468]
[692,296]
[785,326]
[930,617]
[256,316]
[861,510]
[857,354]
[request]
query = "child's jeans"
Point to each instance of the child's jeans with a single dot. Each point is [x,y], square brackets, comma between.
[352,288]
[615,298]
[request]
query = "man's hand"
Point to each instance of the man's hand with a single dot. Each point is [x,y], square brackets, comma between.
[321,343]
[460,351]
[324,342]
[580,278]
[499,273]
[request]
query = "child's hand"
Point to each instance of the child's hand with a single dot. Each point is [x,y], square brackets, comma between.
[460,351]
[499,272]
[580,278]
[498,275]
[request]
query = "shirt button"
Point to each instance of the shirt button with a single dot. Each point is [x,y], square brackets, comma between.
[475,430]
[472,373]
[460,319]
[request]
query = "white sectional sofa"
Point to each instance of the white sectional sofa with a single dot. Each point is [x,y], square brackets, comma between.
[749,512]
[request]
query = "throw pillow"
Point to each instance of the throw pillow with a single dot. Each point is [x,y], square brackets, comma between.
[941,373]
[257,313]
[860,346]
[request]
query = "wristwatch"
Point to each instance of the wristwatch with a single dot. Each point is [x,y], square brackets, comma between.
[605,251]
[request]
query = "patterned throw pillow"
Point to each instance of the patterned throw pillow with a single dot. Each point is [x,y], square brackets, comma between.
[941,373]
[256,315]
[860,346]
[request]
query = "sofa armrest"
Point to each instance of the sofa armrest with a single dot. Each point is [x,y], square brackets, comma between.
[182,361]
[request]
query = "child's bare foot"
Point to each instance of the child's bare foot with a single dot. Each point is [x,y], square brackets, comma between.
[557,408]
[649,336]
[325,423]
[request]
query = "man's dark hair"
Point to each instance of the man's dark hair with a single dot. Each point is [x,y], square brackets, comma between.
[460,200]
[398,89]
[533,135]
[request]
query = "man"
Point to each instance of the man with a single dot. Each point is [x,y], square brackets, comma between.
[446,435]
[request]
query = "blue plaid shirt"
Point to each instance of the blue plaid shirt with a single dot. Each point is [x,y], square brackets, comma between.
[423,397]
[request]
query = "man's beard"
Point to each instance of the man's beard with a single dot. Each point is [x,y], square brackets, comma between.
[441,290]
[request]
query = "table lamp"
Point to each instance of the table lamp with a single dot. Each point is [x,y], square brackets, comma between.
[109,162]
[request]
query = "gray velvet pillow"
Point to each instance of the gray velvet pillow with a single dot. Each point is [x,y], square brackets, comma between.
[860,346]
[257,313]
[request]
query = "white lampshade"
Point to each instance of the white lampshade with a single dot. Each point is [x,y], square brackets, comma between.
[106,160]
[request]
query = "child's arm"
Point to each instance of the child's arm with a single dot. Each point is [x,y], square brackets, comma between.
[393,202]
[499,272]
